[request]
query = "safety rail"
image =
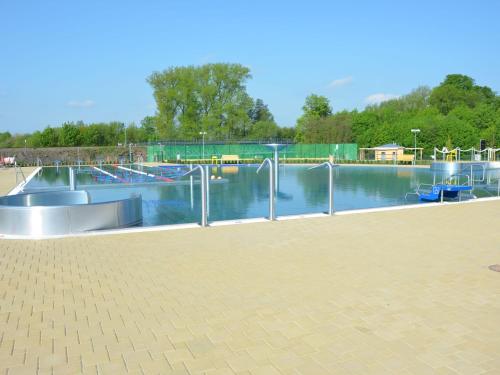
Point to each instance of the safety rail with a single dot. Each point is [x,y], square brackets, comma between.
[473,180]
[19,172]
[204,189]
[456,178]
[272,184]
[330,166]
[419,189]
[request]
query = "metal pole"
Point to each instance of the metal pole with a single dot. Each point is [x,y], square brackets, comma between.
[331,188]
[203,146]
[276,169]
[130,152]
[204,214]
[272,210]
[272,189]
[331,209]
[191,186]
[72,179]
[415,150]
[207,177]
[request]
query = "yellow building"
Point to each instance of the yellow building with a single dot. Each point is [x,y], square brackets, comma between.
[389,152]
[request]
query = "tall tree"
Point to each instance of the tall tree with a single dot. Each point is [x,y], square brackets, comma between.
[316,107]
[209,98]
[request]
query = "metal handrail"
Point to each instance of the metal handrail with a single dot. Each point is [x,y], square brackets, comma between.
[272,208]
[472,172]
[204,216]
[330,166]
[72,179]
[457,176]
[19,171]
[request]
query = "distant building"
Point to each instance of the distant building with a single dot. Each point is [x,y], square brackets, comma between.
[388,152]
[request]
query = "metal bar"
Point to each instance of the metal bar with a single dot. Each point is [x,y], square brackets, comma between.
[204,214]
[272,208]
[191,186]
[331,188]
[276,168]
[207,177]
[72,179]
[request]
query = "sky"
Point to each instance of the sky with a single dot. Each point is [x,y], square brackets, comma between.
[89,60]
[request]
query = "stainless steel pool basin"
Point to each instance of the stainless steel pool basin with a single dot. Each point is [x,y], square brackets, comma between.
[65,212]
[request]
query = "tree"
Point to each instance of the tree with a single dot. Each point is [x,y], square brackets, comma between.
[70,135]
[458,90]
[262,130]
[260,112]
[316,107]
[149,128]
[49,137]
[209,98]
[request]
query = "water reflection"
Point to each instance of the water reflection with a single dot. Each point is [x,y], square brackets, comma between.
[237,192]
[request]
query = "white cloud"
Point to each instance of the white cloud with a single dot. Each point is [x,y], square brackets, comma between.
[340,82]
[87,103]
[379,98]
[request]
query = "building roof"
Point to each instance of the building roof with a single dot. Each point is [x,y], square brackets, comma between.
[388,145]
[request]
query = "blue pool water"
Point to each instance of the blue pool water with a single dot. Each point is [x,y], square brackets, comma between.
[238,192]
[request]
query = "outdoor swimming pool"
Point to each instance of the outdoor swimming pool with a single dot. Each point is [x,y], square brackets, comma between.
[238,192]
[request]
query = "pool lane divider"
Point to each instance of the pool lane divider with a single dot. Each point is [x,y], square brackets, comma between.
[145,174]
[109,174]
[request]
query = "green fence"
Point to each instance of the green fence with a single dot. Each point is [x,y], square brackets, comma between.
[173,152]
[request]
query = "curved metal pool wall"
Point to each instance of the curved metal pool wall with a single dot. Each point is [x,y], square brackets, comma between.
[68,212]
[463,166]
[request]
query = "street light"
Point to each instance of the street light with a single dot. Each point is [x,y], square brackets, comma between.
[203,144]
[415,132]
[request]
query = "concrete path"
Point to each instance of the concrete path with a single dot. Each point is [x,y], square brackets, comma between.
[400,292]
[8,178]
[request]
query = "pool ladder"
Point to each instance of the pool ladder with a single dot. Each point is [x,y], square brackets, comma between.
[204,177]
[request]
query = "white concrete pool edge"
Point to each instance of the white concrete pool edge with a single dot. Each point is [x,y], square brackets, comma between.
[19,188]
[221,223]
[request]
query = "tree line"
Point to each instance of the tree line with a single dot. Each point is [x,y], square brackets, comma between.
[456,113]
[212,100]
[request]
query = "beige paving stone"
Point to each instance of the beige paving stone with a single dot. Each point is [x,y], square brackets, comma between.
[405,292]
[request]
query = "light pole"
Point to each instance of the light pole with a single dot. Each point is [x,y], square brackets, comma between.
[203,144]
[415,132]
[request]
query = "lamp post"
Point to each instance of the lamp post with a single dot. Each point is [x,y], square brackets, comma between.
[415,132]
[203,144]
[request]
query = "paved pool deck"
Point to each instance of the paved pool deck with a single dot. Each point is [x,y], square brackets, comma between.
[393,292]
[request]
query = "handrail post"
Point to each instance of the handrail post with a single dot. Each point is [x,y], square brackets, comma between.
[207,178]
[203,182]
[72,179]
[331,186]
[272,182]
[204,214]
[331,209]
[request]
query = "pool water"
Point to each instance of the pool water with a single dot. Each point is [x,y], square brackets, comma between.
[238,192]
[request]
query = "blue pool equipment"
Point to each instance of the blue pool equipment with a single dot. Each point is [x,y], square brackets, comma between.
[437,192]
[448,191]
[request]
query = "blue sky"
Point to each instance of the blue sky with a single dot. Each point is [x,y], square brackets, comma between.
[89,60]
